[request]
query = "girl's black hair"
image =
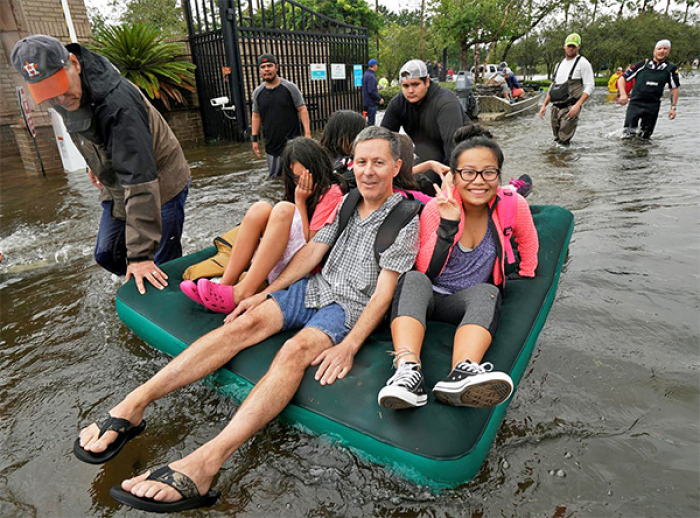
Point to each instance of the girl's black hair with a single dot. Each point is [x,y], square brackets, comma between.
[404,180]
[313,157]
[473,136]
[340,132]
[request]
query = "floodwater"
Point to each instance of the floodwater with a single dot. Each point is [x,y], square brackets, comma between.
[605,422]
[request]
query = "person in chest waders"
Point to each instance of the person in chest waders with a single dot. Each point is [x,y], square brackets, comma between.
[651,77]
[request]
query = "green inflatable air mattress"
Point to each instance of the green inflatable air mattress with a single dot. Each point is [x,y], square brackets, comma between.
[436,445]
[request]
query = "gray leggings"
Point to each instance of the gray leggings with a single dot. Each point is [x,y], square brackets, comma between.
[415,298]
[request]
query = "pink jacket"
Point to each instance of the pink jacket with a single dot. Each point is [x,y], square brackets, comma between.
[523,230]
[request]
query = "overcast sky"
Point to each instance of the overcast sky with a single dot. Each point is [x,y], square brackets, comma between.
[392,5]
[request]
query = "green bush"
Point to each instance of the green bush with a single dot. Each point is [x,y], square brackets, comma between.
[155,66]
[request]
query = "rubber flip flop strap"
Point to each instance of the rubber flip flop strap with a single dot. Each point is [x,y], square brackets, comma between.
[114,424]
[178,481]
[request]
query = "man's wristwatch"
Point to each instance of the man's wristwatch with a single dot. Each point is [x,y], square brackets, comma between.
[255,138]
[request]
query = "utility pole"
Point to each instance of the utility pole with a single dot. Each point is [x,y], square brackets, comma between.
[376,10]
[422,17]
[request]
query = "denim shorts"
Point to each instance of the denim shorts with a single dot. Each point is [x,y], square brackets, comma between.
[330,319]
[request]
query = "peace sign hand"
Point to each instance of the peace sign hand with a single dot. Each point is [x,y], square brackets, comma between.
[448,207]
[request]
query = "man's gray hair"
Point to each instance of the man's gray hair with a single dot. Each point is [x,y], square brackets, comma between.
[378,132]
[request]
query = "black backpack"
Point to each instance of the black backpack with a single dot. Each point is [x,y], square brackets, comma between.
[399,217]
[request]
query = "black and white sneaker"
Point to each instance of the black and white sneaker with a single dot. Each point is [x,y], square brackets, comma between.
[405,389]
[471,384]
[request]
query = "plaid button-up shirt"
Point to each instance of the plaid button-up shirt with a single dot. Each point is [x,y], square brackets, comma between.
[350,274]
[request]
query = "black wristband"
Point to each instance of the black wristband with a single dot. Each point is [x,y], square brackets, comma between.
[255,138]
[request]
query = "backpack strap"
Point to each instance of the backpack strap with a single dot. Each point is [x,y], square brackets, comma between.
[401,214]
[348,208]
[399,217]
[507,208]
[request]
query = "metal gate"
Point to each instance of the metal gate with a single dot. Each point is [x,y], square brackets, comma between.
[226,38]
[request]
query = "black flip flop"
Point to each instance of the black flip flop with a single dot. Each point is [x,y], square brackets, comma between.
[125,432]
[191,499]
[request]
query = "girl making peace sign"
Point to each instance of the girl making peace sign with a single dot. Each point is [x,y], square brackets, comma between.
[459,280]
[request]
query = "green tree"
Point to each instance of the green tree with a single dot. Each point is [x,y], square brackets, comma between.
[167,15]
[353,12]
[468,23]
[400,43]
[526,55]
[155,66]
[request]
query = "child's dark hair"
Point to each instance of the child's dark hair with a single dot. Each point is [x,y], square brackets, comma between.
[404,180]
[340,132]
[313,157]
[473,136]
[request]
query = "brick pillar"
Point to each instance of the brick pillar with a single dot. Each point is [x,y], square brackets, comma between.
[46,142]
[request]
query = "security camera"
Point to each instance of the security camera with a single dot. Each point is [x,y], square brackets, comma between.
[219,101]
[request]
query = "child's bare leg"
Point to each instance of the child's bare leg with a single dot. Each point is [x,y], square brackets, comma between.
[471,342]
[272,246]
[247,240]
[407,334]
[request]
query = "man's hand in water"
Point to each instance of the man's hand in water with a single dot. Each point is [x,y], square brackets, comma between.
[146,270]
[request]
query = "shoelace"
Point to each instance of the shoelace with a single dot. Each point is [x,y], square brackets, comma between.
[474,367]
[404,375]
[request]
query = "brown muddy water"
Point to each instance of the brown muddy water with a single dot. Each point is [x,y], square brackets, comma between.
[605,422]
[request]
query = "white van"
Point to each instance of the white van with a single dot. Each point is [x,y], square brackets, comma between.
[485,70]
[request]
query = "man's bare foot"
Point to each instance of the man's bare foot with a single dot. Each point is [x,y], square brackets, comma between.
[89,436]
[194,466]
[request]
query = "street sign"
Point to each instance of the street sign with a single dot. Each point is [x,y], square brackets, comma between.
[357,75]
[337,70]
[318,71]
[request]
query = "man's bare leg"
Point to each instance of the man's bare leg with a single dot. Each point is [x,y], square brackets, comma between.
[200,359]
[265,402]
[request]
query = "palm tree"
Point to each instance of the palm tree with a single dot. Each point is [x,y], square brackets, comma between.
[155,66]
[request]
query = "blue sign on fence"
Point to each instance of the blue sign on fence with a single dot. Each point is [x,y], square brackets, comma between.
[357,74]
[318,72]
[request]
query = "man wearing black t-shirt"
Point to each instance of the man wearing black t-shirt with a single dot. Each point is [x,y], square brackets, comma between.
[429,114]
[278,105]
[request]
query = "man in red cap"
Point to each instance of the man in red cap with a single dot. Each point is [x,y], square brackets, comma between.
[133,155]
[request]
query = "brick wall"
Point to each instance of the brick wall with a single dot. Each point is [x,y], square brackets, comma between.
[46,143]
[46,17]
[186,123]
[20,19]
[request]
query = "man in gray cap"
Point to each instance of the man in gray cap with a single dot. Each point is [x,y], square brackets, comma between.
[429,114]
[277,106]
[133,155]
[651,75]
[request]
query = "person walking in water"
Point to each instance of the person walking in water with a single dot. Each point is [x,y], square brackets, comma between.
[278,106]
[573,84]
[651,76]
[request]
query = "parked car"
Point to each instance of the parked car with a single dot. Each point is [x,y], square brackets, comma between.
[485,70]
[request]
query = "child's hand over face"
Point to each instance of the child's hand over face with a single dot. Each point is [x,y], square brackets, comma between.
[305,187]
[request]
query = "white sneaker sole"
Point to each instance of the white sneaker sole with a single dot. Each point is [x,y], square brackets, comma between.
[398,398]
[489,390]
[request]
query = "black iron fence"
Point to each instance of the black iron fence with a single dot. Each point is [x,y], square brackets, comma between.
[227,36]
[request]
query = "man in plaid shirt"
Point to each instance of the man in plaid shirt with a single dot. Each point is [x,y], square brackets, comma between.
[336,311]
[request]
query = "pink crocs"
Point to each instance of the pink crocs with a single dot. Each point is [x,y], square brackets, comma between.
[216,297]
[189,288]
